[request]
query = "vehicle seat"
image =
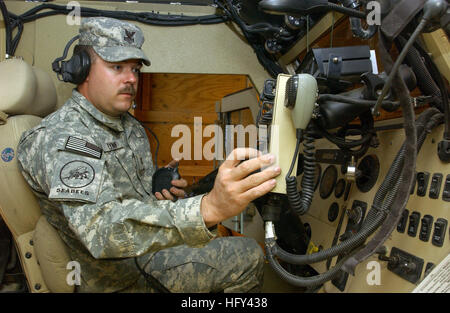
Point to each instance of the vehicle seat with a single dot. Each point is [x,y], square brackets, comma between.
[26,95]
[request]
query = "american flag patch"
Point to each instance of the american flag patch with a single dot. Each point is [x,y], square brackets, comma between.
[83,147]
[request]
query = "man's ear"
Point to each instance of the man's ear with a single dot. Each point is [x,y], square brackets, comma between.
[86,80]
[82,88]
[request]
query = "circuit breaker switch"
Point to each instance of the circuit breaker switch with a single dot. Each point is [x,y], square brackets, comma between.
[413,226]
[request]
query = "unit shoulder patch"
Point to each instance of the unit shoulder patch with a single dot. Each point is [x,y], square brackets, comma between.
[77,174]
[76,178]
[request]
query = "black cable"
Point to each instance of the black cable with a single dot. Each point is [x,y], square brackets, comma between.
[55,64]
[15,41]
[302,281]
[382,201]
[398,62]
[150,18]
[347,11]
[342,143]
[425,81]
[145,17]
[437,76]
[350,100]
[8,30]
[359,31]
[301,203]
[153,134]
[297,148]
[270,65]
[355,23]
[157,143]
[266,119]
[396,201]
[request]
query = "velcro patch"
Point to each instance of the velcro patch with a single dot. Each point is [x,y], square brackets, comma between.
[112,145]
[83,147]
[77,179]
[138,133]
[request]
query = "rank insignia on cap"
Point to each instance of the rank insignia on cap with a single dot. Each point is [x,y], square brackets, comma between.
[83,147]
[129,36]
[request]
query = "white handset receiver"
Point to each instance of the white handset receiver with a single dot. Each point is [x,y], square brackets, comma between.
[301,96]
[285,121]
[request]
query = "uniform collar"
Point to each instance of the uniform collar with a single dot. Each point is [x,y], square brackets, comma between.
[111,122]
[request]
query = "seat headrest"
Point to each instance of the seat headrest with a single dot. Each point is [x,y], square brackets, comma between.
[25,89]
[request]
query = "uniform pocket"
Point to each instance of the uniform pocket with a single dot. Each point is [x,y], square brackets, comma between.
[173,257]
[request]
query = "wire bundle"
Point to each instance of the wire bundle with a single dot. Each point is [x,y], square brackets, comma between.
[264,59]
[13,21]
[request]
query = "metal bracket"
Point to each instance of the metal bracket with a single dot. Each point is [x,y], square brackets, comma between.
[247,98]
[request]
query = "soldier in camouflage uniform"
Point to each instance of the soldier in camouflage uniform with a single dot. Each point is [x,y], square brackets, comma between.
[89,164]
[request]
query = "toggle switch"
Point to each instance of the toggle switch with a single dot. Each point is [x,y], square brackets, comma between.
[425,229]
[435,187]
[422,183]
[439,232]
[446,192]
[401,226]
[414,220]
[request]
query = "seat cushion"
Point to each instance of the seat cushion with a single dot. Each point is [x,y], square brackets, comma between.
[52,256]
[18,205]
[26,90]
[17,86]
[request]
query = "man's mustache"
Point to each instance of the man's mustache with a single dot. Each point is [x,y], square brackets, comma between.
[128,89]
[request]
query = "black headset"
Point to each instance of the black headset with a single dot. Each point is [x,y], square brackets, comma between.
[76,69]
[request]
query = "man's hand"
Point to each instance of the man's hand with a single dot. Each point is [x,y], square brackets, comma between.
[177,190]
[234,187]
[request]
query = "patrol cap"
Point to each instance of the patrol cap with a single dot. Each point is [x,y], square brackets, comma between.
[113,40]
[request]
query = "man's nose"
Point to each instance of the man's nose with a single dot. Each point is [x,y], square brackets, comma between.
[131,76]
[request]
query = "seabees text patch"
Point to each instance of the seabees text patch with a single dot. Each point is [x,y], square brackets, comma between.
[76,178]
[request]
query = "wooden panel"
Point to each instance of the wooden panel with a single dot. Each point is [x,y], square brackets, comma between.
[164,134]
[167,100]
[176,117]
[191,92]
[197,170]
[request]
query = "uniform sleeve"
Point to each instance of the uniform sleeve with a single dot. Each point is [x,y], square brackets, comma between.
[108,225]
[28,158]
[114,228]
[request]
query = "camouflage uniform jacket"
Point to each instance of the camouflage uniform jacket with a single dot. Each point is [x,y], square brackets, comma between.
[92,175]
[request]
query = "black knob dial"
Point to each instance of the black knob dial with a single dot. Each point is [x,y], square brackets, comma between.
[291,91]
[355,214]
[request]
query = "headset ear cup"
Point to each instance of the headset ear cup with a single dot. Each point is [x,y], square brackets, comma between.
[77,68]
[81,67]
[85,65]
